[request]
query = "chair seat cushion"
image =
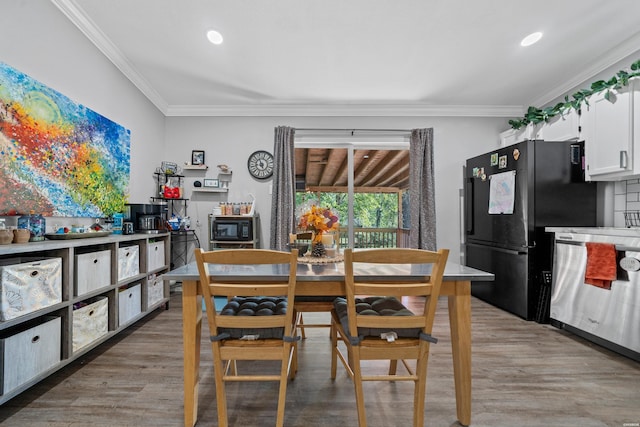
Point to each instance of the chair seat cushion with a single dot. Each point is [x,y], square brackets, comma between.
[375,306]
[254,306]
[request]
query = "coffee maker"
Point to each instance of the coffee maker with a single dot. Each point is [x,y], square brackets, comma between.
[146,218]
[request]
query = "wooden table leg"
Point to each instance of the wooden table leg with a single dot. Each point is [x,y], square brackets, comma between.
[191,333]
[460,322]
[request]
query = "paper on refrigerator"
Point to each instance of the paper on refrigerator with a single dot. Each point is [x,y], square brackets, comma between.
[502,193]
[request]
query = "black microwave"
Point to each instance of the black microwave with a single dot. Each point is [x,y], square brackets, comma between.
[232,229]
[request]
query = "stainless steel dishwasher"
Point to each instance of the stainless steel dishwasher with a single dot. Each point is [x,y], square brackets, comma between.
[610,318]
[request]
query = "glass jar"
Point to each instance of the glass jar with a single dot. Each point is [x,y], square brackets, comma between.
[23,221]
[37,227]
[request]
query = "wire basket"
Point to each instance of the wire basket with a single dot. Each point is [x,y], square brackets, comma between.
[632,219]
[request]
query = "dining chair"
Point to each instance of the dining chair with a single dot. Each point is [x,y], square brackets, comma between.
[373,324]
[257,323]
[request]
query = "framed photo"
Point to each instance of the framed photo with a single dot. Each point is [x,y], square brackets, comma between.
[197,157]
[502,162]
[211,183]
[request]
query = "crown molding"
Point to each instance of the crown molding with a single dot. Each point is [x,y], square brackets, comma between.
[86,25]
[610,58]
[354,110]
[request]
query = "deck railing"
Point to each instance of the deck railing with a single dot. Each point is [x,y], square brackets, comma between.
[376,238]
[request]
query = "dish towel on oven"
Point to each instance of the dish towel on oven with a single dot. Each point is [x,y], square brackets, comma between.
[601,264]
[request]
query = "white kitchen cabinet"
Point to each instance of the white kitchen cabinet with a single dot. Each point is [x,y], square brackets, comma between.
[564,127]
[612,135]
[526,133]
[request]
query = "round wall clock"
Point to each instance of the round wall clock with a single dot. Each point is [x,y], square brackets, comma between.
[260,164]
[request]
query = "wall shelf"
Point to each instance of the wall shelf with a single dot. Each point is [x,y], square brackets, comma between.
[210,190]
[195,167]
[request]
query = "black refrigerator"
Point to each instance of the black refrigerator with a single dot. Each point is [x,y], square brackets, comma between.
[511,195]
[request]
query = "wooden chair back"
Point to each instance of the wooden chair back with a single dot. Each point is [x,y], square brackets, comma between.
[211,287]
[399,337]
[428,287]
[228,348]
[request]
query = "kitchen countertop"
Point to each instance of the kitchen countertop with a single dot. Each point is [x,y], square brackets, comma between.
[601,231]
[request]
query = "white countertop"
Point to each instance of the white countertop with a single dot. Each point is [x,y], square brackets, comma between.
[601,231]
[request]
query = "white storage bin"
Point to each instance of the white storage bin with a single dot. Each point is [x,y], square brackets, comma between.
[93,271]
[129,303]
[155,290]
[90,322]
[29,286]
[29,353]
[155,256]
[128,262]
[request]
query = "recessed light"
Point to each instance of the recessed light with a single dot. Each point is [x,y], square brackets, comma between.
[531,39]
[214,37]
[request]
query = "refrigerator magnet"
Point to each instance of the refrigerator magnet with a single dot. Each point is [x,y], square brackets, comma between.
[502,162]
[476,172]
[494,159]
[516,154]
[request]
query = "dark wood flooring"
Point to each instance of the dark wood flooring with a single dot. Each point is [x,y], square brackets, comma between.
[524,374]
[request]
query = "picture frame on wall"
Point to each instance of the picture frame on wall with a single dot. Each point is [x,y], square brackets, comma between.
[211,183]
[197,157]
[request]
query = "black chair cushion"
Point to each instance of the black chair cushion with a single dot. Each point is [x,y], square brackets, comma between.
[375,306]
[254,306]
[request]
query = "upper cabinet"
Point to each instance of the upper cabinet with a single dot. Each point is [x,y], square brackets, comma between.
[611,130]
[513,136]
[564,127]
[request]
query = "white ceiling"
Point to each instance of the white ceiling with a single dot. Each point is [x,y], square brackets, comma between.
[360,57]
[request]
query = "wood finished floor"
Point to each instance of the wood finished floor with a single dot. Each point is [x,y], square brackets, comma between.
[524,374]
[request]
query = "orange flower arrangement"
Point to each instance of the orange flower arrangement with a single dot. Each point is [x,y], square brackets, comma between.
[318,220]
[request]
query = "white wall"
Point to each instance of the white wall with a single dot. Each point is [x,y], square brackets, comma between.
[40,41]
[230,140]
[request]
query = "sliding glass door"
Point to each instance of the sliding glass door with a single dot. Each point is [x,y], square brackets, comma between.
[363,184]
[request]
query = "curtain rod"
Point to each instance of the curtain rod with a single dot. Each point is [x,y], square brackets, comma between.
[354,130]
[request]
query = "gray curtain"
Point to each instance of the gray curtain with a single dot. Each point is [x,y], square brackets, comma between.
[283,194]
[422,200]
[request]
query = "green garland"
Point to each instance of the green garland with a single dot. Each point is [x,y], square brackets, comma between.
[536,115]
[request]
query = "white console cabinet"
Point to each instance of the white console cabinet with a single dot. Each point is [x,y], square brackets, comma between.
[107,284]
[611,132]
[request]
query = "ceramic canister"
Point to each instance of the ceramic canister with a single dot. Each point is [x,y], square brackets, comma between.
[21,235]
[6,236]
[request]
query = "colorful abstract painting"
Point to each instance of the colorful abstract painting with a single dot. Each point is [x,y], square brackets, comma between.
[58,157]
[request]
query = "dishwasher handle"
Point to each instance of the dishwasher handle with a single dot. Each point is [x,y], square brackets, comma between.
[619,248]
